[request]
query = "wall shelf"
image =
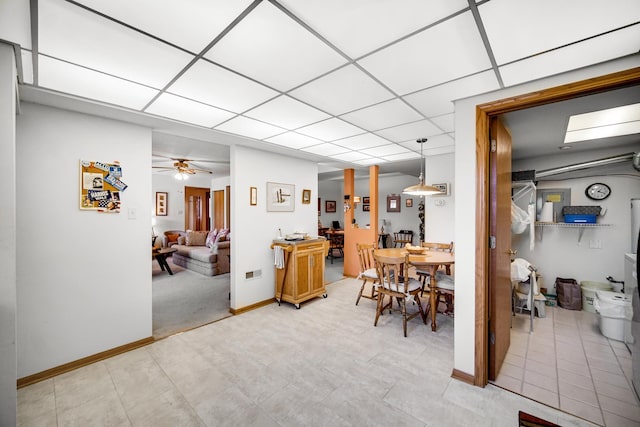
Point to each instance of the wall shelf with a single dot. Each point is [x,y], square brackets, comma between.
[579,226]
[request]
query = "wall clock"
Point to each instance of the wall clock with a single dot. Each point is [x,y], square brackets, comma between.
[598,191]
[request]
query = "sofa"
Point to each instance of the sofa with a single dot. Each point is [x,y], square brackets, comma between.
[205,252]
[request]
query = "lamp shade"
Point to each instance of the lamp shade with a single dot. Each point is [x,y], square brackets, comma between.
[421,189]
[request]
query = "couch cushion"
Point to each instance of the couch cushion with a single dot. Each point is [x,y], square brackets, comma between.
[196,238]
[201,253]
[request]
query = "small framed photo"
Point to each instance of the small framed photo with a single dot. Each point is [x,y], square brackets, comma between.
[161,203]
[393,203]
[330,206]
[280,197]
[408,203]
[366,200]
[306,197]
[366,208]
[444,189]
[253,196]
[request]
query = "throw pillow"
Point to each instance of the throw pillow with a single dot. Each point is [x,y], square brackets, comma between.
[182,240]
[172,237]
[211,237]
[196,238]
[222,234]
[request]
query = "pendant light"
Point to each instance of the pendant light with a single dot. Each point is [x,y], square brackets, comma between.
[421,189]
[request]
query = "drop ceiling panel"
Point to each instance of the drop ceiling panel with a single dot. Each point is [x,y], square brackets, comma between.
[248,127]
[15,23]
[343,90]
[371,161]
[592,51]
[385,150]
[286,112]
[360,26]
[517,29]
[436,141]
[221,88]
[71,33]
[444,122]
[168,19]
[293,140]
[360,142]
[410,131]
[439,54]
[409,155]
[185,110]
[67,78]
[330,130]
[326,149]
[271,47]
[351,156]
[383,115]
[439,99]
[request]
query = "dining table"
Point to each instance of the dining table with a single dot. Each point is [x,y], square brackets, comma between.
[429,261]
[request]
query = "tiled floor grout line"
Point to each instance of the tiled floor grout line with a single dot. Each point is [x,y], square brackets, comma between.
[584,351]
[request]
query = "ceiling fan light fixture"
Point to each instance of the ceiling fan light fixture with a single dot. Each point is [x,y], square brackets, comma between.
[181,176]
[421,189]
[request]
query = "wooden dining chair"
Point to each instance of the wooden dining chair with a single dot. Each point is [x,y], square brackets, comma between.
[368,272]
[336,246]
[445,291]
[393,275]
[402,237]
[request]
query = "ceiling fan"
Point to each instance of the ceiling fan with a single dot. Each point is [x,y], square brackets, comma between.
[183,169]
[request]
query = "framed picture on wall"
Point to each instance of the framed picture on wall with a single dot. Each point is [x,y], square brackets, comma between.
[161,203]
[366,200]
[366,208]
[444,189]
[253,196]
[409,203]
[280,197]
[330,206]
[393,203]
[306,197]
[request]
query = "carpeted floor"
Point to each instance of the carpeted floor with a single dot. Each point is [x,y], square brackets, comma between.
[187,299]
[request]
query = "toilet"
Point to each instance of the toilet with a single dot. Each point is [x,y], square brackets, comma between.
[614,314]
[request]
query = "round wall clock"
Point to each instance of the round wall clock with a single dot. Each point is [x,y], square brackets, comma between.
[598,191]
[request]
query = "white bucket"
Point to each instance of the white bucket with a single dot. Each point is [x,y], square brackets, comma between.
[589,293]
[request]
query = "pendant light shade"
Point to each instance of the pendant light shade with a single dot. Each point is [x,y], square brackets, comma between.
[421,189]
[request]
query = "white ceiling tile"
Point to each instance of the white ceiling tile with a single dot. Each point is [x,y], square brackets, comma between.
[442,53]
[293,140]
[15,22]
[403,156]
[27,66]
[343,90]
[384,115]
[385,150]
[592,51]
[274,49]
[444,122]
[516,29]
[221,88]
[360,142]
[360,26]
[330,130]
[248,127]
[437,151]
[351,156]
[370,161]
[286,112]
[434,142]
[73,34]
[64,77]
[439,99]
[185,110]
[325,149]
[415,130]
[169,20]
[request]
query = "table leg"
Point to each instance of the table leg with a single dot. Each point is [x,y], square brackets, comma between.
[162,260]
[433,297]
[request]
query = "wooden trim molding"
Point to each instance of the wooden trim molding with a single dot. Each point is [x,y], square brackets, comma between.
[463,376]
[484,112]
[252,306]
[68,367]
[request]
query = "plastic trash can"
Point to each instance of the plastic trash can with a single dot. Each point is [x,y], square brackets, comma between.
[615,313]
[589,289]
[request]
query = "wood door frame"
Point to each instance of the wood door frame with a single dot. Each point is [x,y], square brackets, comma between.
[484,112]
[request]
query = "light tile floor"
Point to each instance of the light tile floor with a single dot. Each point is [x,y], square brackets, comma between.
[568,364]
[323,365]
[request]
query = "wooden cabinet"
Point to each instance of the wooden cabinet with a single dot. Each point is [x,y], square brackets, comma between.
[304,270]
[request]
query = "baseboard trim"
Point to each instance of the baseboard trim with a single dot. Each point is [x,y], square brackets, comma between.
[463,376]
[68,367]
[252,306]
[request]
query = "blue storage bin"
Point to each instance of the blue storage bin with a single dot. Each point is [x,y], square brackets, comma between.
[580,219]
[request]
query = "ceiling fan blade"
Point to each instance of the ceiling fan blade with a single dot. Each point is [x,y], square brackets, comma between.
[200,170]
[163,167]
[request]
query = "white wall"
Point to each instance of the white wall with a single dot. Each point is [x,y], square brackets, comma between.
[253,228]
[83,278]
[8,363]
[175,212]
[465,180]
[439,210]
[559,253]
[331,190]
